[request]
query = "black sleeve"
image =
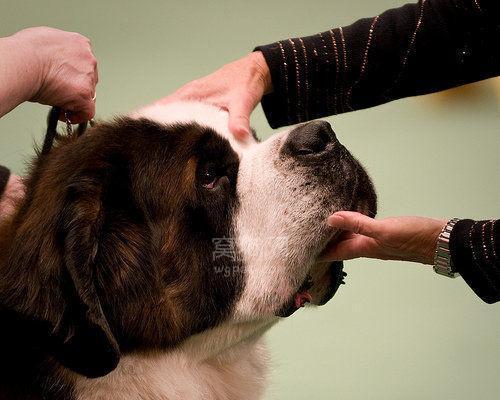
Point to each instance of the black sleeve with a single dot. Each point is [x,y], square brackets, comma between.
[4,178]
[412,50]
[475,251]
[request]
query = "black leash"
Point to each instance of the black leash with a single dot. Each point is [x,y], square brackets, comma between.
[52,134]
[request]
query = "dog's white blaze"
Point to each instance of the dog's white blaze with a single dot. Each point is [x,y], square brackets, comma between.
[270,231]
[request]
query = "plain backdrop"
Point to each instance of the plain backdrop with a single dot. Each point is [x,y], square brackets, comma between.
[395,330]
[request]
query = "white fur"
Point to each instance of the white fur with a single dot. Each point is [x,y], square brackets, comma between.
[201,113]
[225,363]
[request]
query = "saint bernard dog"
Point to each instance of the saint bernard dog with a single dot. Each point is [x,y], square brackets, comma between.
[152,252]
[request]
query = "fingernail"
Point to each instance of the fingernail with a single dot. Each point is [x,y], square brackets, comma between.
[335,220]
[243,131]
[241,134]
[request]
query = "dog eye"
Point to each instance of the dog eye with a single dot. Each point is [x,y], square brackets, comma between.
[209,177]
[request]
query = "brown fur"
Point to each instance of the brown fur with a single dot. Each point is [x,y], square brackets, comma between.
[107,250]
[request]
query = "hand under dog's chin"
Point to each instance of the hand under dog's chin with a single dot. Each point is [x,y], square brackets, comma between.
[317,288]
[324,277]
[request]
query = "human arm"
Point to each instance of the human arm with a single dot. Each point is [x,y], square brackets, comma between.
[415,49]
[411,50]
[11,190]
[4,178]
[48,66]
[474,245]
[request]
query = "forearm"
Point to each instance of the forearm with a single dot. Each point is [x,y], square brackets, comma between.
[415,49]
[5,208]
[18,74]
[11,192]
[4,178]
[475,251]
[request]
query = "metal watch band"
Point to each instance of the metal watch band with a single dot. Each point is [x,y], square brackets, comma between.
[442,260]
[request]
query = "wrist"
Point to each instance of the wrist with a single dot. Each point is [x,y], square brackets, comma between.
[436,228]
[257,60]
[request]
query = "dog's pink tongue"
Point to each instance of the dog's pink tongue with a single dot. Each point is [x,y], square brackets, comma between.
[302,298]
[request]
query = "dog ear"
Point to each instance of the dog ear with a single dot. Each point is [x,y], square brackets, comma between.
[85,342]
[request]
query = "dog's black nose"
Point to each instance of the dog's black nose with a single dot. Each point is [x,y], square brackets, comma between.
[309,139]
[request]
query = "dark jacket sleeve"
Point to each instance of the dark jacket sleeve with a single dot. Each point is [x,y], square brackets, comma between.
[475,251]
[412,50]
[4,178]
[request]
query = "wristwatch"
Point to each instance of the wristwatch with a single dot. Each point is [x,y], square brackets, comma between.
[442,260]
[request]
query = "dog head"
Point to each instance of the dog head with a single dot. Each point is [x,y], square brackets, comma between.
[154,227]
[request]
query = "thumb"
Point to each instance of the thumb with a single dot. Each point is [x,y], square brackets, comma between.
[354,222]
[239,120]
[80,113]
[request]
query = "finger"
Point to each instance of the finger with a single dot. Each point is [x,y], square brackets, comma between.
[84,114]
[348,249]
[239,120]
[62,115]
[354,222]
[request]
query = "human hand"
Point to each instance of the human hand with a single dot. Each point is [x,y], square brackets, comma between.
[396,238]
[236,87]
[14,191]
[65,69]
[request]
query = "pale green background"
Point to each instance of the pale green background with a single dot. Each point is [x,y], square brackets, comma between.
[396,330]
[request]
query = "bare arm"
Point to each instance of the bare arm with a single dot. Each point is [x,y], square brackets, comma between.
[12,193]
[18,75]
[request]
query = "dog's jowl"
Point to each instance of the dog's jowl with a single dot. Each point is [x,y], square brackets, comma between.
[151,253]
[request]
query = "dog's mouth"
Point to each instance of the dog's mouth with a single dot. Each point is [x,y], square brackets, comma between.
[324,277]
[331,276]
[303,295]
[320,285]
